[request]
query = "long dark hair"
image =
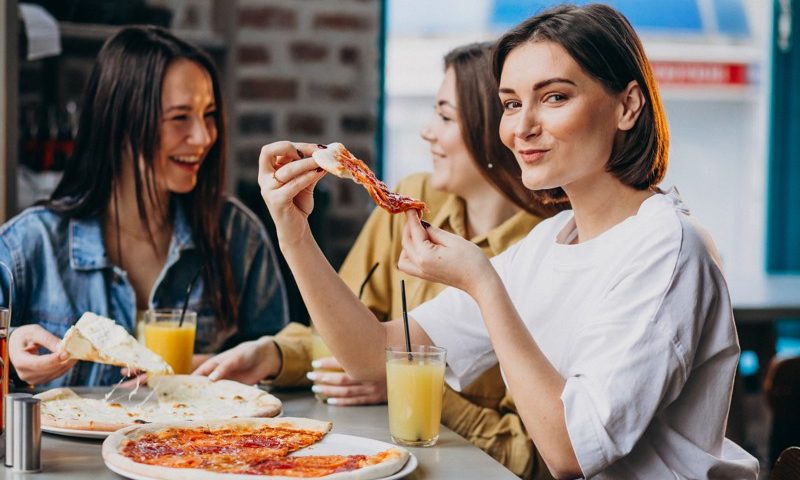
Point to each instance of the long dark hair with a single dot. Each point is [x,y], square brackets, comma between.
[120,118]
[479,112]
[604,44]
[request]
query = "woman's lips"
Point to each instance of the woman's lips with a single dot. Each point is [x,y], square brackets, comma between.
[188,167]
[531,155]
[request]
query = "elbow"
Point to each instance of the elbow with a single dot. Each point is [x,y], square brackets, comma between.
[565,473]
[564,467]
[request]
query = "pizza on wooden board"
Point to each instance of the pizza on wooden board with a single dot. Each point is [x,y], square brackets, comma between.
[270,448]
[176,397]
[100,339]
[337,160]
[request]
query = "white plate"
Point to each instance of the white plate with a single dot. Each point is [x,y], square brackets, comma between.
[69,432]
[331,444]
[409,467]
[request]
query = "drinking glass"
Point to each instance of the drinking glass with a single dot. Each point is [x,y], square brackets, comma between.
[173,342]
[415,386]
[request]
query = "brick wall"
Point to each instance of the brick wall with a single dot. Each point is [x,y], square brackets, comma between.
[307,71]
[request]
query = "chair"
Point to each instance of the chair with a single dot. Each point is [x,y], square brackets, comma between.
[782,388]
[788,465]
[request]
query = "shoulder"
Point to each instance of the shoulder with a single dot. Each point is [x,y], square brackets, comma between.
[666,224]
[238,221]
[34,225]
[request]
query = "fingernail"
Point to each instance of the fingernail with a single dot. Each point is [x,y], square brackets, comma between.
[316,388]
[316,364]
[63,356]
[213,375]
[300,154]
[321,145]
[332,401]
[319,169]
[311,376]
[425,224]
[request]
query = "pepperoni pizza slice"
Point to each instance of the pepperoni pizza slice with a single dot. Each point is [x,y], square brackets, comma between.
[337,160]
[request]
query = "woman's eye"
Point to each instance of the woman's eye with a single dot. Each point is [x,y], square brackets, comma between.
[445,118]
[212,113]
[555,98]
[180,118]
[511,104]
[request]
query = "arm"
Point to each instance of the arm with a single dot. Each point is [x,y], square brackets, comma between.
[438,256]
[25,341]
[498,432]
[348,327]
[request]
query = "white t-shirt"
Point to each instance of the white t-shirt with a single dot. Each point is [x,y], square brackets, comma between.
[638,321]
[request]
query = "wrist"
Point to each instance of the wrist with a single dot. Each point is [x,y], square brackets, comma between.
[484,287]
[272,357]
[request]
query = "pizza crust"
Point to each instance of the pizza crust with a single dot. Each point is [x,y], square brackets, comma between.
[395,459]
[326,158]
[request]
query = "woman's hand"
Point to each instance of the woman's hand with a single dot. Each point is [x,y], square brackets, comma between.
[287,176]
[23,352]
[439,256]
[248,362]
[339,388]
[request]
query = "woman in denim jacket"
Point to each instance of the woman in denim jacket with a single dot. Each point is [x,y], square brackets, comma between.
[140,210]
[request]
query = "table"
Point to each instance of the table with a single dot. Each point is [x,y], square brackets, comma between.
[453,457]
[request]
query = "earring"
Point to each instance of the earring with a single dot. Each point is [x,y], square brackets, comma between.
[490,165]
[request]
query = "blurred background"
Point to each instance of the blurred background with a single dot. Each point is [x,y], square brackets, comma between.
[364,72]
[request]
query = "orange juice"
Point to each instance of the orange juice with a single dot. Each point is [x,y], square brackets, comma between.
[175,344]
[318,347]
[414,388]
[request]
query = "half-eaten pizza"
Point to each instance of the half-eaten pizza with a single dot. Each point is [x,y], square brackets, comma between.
[337,160]
[270,448]
[172,397]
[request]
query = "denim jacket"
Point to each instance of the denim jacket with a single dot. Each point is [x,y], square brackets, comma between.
[61,270]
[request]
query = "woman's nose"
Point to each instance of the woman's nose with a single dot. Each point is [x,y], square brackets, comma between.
[528,125]
[427,133]
[200,133]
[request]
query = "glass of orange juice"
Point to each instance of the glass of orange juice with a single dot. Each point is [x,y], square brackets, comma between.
[320,350]
[164,335]
[415,386]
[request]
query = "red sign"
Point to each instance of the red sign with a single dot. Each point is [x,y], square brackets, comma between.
[700,73]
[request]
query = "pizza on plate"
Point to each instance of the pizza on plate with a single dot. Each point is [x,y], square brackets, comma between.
[174,397]
[337,160]
[270,448]
[100,339]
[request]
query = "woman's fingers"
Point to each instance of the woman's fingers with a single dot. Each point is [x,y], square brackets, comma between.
[360,390]
[327,363]
[331,378]
[355,401]
[206,367]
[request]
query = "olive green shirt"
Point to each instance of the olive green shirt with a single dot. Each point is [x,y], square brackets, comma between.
[483,413]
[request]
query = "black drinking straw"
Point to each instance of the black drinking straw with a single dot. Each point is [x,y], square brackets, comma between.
[188,294]
[405,317]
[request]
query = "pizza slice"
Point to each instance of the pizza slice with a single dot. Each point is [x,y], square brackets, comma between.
[100,339]
[337,160]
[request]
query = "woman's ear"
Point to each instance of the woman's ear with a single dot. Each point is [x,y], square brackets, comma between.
[632,102]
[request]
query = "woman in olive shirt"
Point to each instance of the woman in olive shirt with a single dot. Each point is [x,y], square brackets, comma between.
[474,191]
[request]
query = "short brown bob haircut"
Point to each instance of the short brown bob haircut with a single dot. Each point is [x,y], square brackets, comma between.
[603,43]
